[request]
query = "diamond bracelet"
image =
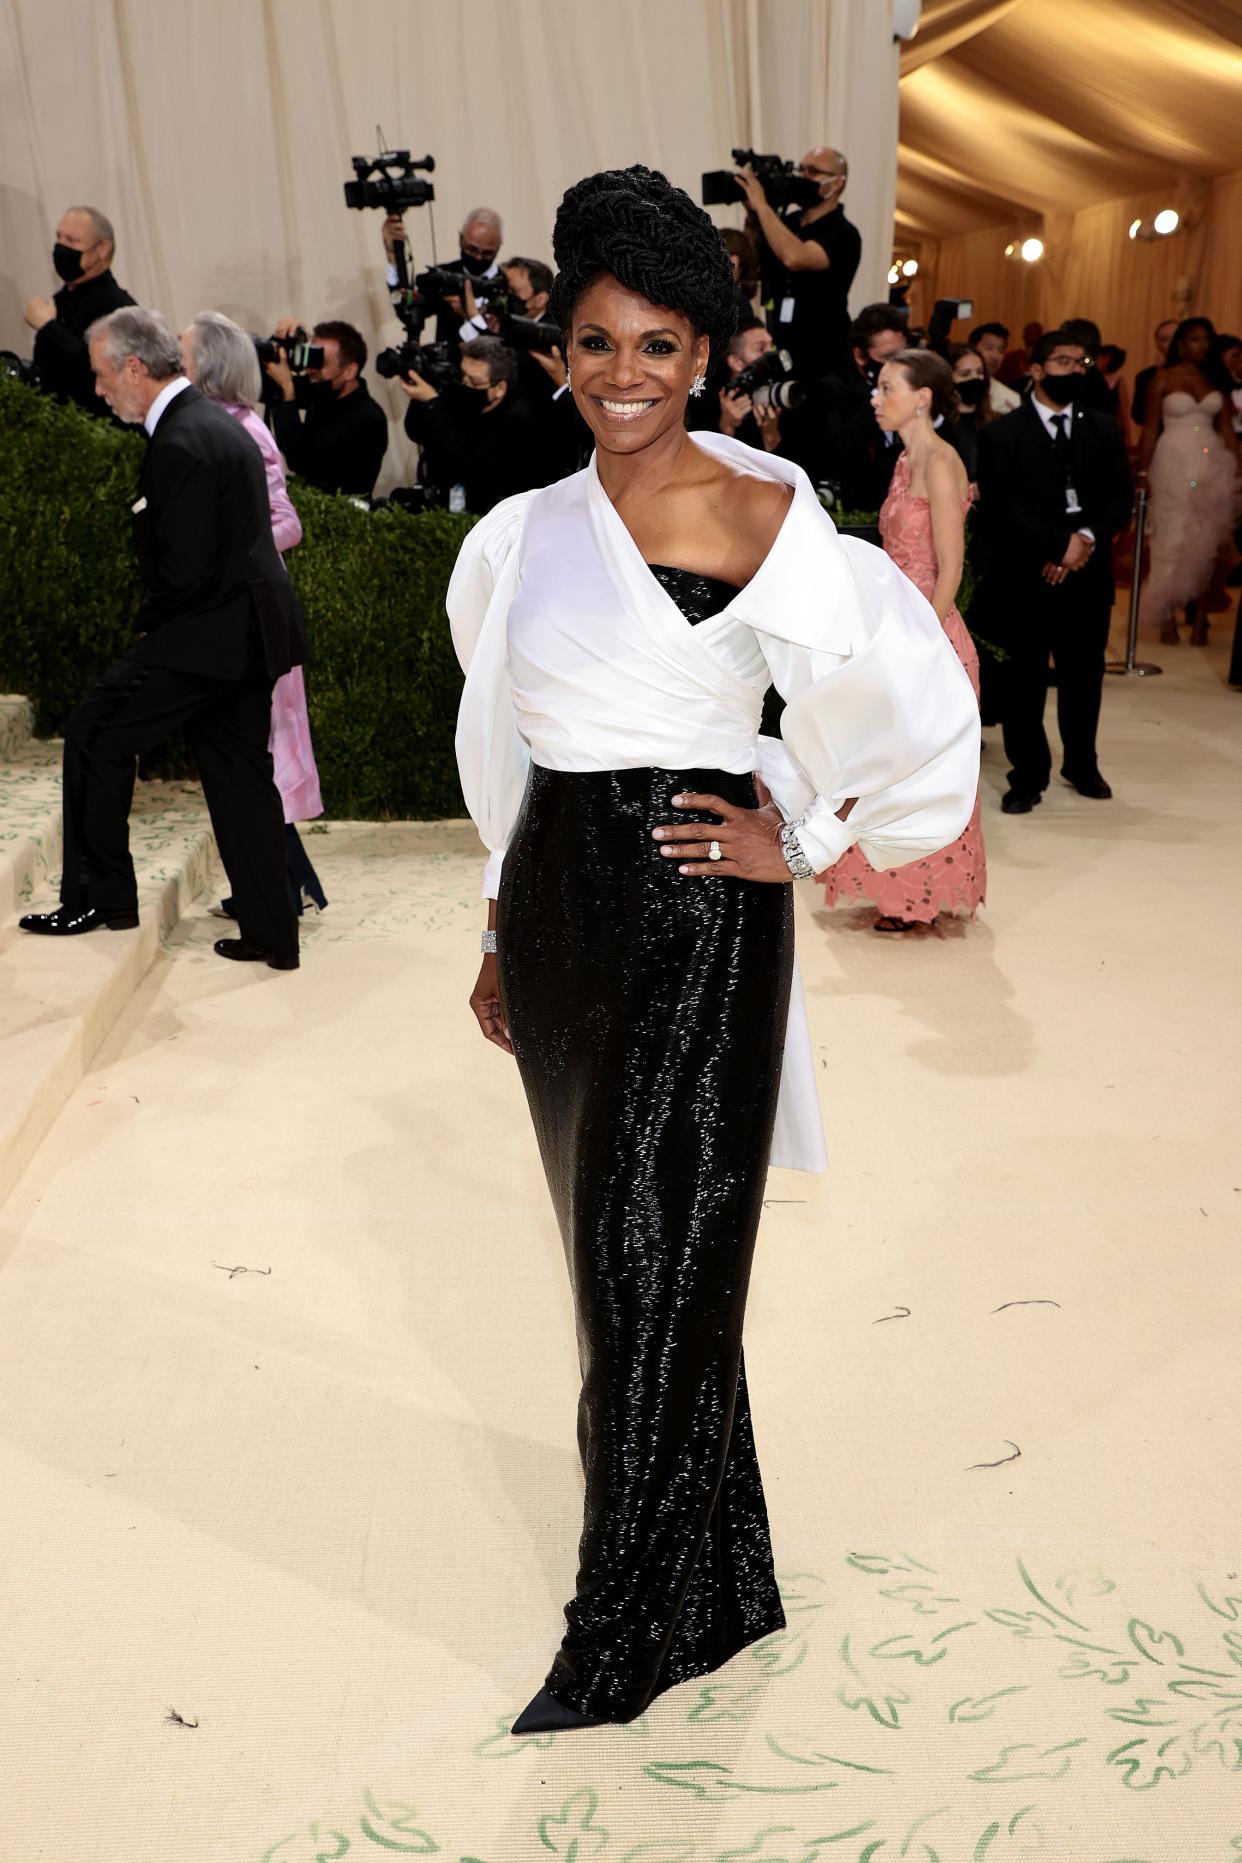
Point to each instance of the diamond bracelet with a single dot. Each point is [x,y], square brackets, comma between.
[791,848]
[488,941]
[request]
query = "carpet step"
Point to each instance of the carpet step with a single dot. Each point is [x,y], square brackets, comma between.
[60,996]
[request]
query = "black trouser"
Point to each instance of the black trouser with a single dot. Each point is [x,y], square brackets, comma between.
[1075,632]
[227,724]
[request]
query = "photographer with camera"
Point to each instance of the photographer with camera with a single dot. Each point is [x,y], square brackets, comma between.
[742,405]
[810,258]
[477,432]
[460,315]
[82,259]
[327,426]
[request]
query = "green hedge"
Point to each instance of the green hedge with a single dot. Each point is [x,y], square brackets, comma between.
[383,683]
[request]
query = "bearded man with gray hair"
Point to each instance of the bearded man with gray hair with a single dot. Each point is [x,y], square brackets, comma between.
[217,624]
[82,258]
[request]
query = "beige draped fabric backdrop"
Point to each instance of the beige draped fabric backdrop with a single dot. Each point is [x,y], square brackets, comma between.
[1069,121]
[217,136]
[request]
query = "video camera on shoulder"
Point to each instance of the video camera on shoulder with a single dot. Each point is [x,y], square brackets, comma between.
[296,351]
[769,382]
[782,186]
[397,186]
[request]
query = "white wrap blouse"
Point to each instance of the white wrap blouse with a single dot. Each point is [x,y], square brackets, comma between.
[576,658]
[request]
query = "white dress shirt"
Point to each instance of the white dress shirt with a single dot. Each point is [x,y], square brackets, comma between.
[168,392]
[472,326]
[576,658]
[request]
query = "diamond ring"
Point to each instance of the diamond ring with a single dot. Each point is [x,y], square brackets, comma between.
[713,851]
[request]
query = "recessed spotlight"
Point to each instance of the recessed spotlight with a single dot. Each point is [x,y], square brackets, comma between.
[1032,249]
[1167,220]
[894,275]
[1135,226]
[1011,250]
[910,268]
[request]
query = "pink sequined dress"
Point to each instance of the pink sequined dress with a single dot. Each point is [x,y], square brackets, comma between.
[955,879]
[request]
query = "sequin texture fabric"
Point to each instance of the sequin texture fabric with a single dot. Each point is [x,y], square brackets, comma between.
[647,1012]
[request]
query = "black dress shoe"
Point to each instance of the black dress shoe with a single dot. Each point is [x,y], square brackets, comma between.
[250,954]
[1093,786]
[64,923]
[545,1714]
[1015,802]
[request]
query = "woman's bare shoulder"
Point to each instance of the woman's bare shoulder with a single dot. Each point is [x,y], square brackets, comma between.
[946,468]
[754,506]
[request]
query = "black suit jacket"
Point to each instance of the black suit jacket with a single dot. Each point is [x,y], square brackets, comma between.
[1022,516]
[61,356]
[217,598]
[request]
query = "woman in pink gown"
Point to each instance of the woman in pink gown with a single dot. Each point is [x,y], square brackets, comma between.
[221,361]
[922,523]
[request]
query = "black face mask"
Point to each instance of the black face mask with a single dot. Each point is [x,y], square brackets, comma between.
[971,392]
[67,261]
[1062,388]
[476,268]
[310,394]
[469,399]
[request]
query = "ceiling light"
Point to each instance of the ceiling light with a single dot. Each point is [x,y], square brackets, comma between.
[910,267]
[1032,249]
[894,275]
[1167,220]
[1134,228]
[1011,250]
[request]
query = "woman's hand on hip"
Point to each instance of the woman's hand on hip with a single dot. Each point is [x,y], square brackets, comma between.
[485,1002]
[748,839]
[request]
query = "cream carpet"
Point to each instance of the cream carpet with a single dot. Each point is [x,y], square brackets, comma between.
[287,1379]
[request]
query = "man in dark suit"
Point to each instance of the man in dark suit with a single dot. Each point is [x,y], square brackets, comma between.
[218,623]
[1054,490]
[82,258]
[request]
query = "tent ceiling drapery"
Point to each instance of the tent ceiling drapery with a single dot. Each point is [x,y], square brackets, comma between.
[1010,108]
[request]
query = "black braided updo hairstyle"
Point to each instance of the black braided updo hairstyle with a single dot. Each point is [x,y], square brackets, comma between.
[653,239]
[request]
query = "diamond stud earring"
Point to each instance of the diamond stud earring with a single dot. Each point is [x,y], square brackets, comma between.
[698,384]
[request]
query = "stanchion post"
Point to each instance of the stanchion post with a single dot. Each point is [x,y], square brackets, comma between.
[1130,668]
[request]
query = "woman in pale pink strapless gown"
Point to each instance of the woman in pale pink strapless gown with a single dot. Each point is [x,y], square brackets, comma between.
[955,879]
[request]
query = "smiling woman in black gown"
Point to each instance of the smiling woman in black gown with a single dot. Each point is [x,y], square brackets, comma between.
[619,631]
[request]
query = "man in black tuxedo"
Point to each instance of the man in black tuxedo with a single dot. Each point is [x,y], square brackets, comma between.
[1054,490]
[218,623]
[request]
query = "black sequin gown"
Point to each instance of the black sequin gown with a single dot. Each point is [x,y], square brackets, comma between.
[647,1012]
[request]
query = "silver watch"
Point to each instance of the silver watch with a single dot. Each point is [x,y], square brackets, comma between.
[487,943]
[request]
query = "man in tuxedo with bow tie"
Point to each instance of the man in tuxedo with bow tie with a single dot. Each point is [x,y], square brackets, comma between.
[1054,490]
[217,624]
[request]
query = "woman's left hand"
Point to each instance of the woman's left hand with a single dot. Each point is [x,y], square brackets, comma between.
[749,839]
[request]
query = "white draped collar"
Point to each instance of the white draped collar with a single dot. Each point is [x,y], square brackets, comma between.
[781,599]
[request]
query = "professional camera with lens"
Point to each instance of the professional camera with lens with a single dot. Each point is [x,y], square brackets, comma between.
[433,361]
[389,181]
[527,333]
[782,186]
[297,351]
[769,383]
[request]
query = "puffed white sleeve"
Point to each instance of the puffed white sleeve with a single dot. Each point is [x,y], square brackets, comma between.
[892,720]
[492,757]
